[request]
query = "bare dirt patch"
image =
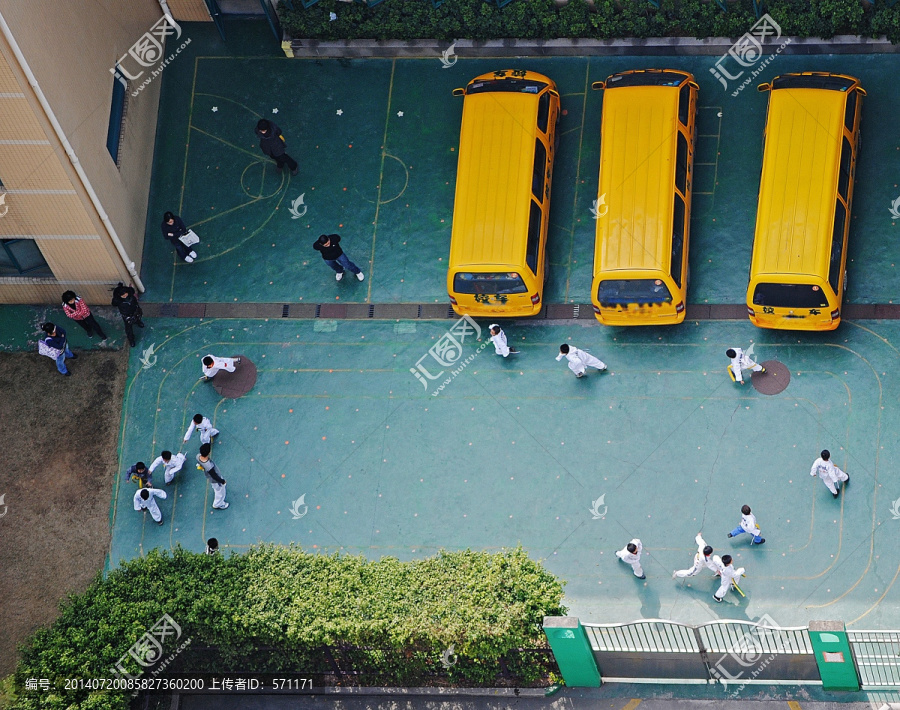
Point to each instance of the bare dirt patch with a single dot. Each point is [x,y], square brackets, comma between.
[58,443]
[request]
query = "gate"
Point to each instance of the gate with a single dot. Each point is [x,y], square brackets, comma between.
[737,652]
[877,656]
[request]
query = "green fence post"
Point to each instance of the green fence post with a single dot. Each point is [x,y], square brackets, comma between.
[572,650]
[833,657]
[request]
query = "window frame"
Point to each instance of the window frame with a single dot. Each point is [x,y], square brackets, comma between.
[15,262]
[845,172]
[850,110]
[837,247]
[543,114]
[678,239]
[535,229]
[539,171]
[681,163]
[684,104]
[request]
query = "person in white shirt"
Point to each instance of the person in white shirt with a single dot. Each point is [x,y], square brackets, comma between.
[171,464]
[748,525]
[631,555]
[579,360]
[212,365]
[728,574]
[828,472]
[204,426]
[498,338]
[703,558]
[145,499]
[740,361]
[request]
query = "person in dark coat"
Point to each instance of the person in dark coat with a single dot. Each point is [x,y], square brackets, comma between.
[56,338]
[173,228]
[328,246]
[125,299]
[271,142]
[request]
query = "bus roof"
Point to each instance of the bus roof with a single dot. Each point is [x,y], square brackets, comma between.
[798,187]
[493,180]
[637,177]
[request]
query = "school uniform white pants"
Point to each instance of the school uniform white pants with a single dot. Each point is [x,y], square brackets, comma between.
[219,490]
[206,435]
[698,565]
[154,509]
[830,482]
[171,471]
[724,586]
[635,564]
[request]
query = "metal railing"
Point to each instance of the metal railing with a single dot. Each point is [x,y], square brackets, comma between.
[724,651]
[877,657]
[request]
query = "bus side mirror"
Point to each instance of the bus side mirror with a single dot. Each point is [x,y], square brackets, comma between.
[763,87]
[694,85]
[459,92]
[862,92]
[598,85]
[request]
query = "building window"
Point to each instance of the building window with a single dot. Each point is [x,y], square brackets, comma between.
[21,257]
[117,117]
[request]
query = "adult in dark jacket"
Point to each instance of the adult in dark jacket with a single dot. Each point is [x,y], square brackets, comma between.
[56,338]
[173,228]
[328,246]
[271,142]
[125,299]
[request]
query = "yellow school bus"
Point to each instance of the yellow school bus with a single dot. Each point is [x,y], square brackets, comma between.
[643,206]
[501,213]
[798,271]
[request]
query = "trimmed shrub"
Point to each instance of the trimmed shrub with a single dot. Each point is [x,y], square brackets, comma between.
[606,19]
[274,608]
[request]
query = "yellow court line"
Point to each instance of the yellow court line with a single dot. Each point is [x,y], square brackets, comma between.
[239,149]
[587,78]
[632,704]
[387,121]
[794,705]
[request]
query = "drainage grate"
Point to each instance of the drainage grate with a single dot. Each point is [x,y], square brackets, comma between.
[371,310]
[575,310]
[285,310]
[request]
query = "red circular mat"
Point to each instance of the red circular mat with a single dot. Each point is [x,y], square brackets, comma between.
[775,379]
[232,385]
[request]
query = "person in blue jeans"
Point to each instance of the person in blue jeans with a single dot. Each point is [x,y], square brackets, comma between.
[334,256]
[56,338]
[748,524]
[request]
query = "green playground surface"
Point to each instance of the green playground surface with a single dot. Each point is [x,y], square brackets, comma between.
[376,140]
[340,448]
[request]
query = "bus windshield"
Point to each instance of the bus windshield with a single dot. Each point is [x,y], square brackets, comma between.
[789,296]
[489,282]
[625,291]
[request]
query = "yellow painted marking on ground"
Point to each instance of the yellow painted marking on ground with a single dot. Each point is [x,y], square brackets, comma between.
[632,704]
[384,154]
[794,705]
[587,78]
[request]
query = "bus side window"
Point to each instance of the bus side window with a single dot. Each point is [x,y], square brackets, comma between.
[837,246]
[544,111]
[677,239]
[684,103]
[534,237]
[681,163]
[850,115]
[846,160]
[540,168]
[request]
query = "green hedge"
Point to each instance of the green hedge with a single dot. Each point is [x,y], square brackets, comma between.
[607,19]
[398,616]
